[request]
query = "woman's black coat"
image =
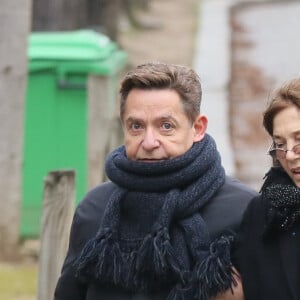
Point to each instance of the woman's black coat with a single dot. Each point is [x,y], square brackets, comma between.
[223,212]
[270,267]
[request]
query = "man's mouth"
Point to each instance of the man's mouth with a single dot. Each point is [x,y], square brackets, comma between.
[151,160]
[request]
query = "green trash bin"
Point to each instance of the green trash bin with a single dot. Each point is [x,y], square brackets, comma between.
[56,124]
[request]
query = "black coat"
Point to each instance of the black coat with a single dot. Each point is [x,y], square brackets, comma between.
[270,267]
[224,211]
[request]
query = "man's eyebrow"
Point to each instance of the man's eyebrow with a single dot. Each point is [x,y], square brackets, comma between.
[167,117]
[131,119]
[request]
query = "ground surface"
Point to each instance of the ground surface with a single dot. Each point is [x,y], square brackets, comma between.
[171,40]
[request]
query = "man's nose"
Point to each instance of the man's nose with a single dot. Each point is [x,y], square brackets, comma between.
[150,140]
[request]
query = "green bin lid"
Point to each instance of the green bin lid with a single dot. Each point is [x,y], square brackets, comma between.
[73,45]
[81,51]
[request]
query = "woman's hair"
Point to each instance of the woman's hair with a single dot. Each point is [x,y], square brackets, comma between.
[286,96]
[157,75]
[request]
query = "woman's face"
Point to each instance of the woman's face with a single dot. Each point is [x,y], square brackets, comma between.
[286,134]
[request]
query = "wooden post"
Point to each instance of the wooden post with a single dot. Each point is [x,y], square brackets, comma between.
[102,118]
[57,214]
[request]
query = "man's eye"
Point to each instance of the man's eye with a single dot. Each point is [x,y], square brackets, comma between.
[167,126]
[135,126]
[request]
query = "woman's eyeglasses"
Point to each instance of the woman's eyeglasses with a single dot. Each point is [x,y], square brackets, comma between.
[280,153]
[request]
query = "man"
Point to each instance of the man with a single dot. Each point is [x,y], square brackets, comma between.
[160,228]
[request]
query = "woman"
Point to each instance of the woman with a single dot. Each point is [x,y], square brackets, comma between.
[267,252]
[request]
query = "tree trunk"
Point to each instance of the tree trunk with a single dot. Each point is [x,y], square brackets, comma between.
[103,16]
[14,30]
[59,15]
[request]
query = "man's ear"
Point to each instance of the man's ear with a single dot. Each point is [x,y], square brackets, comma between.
[200,126]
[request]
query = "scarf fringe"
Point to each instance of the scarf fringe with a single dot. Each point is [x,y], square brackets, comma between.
[211,276]
[215,274]
[102,259]
[156,248]
[92,250]
[179,293]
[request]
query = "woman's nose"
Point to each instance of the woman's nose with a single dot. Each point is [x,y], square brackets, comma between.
[290,155]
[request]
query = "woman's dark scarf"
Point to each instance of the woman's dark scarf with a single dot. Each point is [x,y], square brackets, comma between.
[175,251]
[282,200]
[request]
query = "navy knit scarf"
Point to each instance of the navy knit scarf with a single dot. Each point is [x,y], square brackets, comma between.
[153,236]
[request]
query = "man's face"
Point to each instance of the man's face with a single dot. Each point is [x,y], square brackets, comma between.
[156,126]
